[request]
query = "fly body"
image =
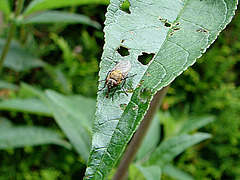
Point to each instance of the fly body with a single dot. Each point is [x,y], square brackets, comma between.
[117,76]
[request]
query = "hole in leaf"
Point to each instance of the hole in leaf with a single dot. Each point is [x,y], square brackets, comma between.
[135,108]
[176,28]
[177,23]
[144,94]
[173,30]
[167,24]
[123,106]
[123,51]
[125,6]
[160,18]
[145,58]
[202,30]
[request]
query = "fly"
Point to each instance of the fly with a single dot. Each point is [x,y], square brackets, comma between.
[116,76]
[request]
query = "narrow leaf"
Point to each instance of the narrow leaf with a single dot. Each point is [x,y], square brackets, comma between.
[19,59]
[29,105]
[150,172]
[196,123]
[22,136]
[169,149]
[175,34]
[72,120]
[151,139]
[176,173]
[7,85]
[5,123]
[73,114]
[39,5]
[60,17]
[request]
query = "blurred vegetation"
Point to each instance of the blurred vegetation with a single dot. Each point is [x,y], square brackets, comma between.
[71,54]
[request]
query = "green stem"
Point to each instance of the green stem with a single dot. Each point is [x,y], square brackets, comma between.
[19,6]
[138,137]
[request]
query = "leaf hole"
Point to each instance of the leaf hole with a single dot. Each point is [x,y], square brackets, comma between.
[174,29]
[160,18]
[202,30]
[123,51]
[177,23]
[123,106]
[144,94]
[145,58]
[135,108]
[167,24]
[125,7]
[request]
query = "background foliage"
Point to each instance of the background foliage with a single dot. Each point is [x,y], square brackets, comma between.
[67,58]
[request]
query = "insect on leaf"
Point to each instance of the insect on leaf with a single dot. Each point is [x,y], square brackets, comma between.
[175,33]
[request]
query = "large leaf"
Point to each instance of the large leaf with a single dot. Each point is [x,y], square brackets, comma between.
[19,59]
[177,32]
[60,17]
[39,5]
[21,136]
[5,7]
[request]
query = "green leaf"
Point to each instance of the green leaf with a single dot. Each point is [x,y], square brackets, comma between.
[61,80]
[150,172]
[169,149]
[196,123]
[5,7]
[7,85]
[19,59]
[177,33]
[151,140]
[22,136]
[5,123]
[30,91]
[176,173]
[60,17]
[29,105]
[73,116]
[39,5]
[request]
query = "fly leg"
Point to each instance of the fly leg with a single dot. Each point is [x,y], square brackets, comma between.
[129,76]
[105,82]
[114,92]
[102,87]
[124,81]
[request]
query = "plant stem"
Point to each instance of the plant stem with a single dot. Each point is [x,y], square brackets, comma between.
[138,137]
[19,6]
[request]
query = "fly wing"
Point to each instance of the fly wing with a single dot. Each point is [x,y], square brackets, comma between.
[123,66]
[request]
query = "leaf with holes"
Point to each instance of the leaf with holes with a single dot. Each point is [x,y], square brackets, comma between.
[160,39]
